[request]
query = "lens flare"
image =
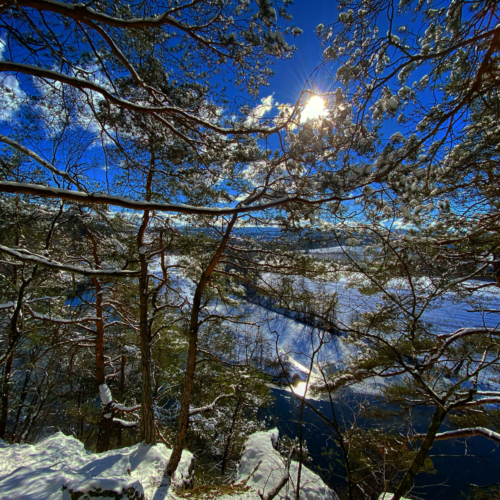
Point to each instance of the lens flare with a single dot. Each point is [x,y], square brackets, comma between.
[314,108]
[300,389]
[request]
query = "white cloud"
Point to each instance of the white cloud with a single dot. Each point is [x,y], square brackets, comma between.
[11,93]
[265,106]
[56,113]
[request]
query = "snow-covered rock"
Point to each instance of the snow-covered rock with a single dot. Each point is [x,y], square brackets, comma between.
[109,487]
[260,448]
[59,465]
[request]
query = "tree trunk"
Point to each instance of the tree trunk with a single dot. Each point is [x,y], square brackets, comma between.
[105,417]
[4,413]
[122,392]
[175,457]
[8,356]
[227,455]
[406,483]
[105,428]
[147,430]
[22,399]
[147,427]
[194,327]
[99,341]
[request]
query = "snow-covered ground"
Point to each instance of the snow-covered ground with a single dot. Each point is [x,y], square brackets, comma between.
[59,468]
[260,448]
[40,471]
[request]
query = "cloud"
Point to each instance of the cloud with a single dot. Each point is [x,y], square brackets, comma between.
[69,107]
[265,106]
[11,93]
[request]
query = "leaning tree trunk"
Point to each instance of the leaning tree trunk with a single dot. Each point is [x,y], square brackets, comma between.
[406,483]
[175,457]
[194,327]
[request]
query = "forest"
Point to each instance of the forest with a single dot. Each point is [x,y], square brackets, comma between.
[184,253]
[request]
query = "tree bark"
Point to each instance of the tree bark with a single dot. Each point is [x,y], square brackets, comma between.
[14,336]
[22,399]
[4,413]
[194,327]
[99,341]
[406,483]
[105,428]
[227,455]
[106,414]
[147,427]
[122,391]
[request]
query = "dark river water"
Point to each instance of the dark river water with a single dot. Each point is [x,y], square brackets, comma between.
[458,464]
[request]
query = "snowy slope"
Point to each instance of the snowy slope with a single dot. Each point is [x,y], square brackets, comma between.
[38,472]
[59,466]
[262,467]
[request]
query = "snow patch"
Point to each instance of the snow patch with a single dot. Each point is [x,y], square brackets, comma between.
[59,467]
[260,448]
[40,471]
[105,394]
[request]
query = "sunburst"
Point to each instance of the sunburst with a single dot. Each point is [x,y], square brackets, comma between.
[314,108]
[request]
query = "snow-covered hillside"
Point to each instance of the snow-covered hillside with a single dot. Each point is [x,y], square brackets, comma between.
[448,313]
[260,449]
[445,314]
[59,468]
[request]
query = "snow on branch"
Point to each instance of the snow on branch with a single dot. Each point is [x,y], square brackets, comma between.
[37,158]
[211,406]
[81,84]
[62,321]
[126,409]
[119,201]
[482,401]
[467,432]
[25,256]
[446,340]
[125,423]
[105,394]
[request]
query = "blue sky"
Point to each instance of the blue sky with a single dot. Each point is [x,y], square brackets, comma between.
[291,74]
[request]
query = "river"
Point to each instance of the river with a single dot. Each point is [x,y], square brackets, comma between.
[457,463]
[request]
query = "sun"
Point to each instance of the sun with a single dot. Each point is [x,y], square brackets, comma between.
[314,108]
